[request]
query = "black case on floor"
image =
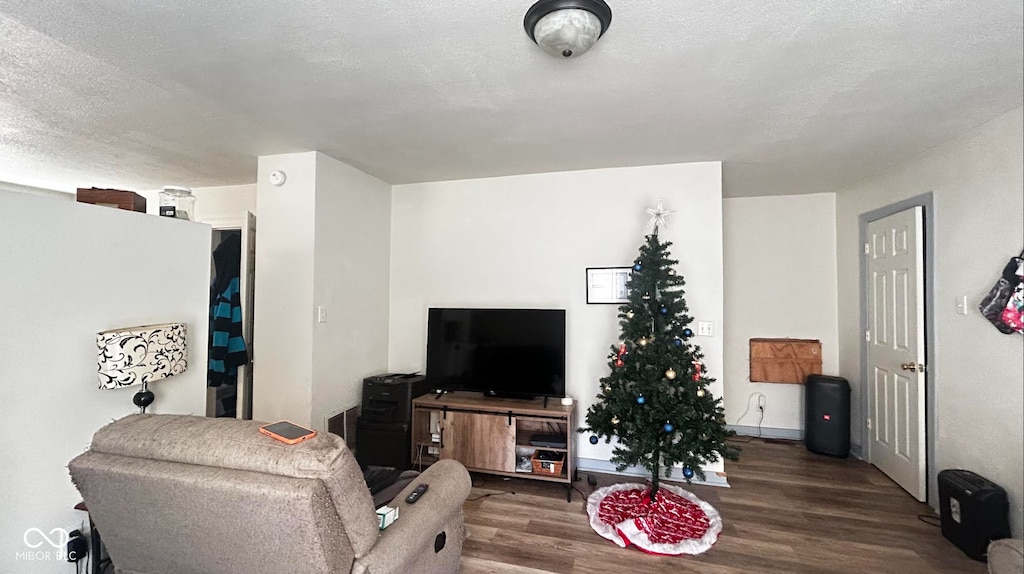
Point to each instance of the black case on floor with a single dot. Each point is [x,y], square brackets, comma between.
[974,511]
[383,432]
[827,415]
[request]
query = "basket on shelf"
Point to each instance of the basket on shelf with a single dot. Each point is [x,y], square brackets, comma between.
[547,462]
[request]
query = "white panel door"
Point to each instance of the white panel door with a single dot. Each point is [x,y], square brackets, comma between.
[246,287]
[896,379]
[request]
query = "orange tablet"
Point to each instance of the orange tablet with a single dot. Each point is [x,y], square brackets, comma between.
[286,432]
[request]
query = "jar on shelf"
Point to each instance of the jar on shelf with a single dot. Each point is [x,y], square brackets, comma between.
[177,202]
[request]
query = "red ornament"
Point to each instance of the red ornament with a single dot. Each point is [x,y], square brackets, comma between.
[622,353]
[696,370]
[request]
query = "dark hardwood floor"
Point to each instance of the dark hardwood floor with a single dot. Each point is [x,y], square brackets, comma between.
[788,511]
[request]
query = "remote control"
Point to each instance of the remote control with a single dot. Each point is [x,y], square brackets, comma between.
[416,494]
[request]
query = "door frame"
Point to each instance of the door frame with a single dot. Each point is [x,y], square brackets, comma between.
[232,224]
[926,202]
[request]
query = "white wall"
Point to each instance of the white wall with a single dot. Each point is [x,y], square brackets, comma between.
[780,281]
[525,241]
[323,241]
[350,281]
[283,315]
[213,204]
[70,270]
[51,193]
[978,187]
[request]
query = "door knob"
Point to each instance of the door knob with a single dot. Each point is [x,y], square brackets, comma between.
[912,367]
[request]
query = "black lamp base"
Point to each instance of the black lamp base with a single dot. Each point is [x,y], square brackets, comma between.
[143,398]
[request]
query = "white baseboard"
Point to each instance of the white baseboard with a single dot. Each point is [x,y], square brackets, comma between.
[768,432]
[605,467]
[856,450]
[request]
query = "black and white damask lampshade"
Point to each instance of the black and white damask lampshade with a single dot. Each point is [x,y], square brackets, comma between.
[141,355]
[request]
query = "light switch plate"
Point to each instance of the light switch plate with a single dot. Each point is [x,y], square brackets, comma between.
[706,328]
[961,305]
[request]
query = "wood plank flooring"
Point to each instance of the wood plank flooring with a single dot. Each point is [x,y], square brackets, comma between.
[788,511]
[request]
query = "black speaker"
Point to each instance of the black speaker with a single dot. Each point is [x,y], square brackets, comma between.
[827,415]
[973,511]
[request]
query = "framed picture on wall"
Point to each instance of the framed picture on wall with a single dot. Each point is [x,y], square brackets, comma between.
[607,285]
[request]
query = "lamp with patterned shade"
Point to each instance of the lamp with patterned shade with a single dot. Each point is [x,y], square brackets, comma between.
[141,355]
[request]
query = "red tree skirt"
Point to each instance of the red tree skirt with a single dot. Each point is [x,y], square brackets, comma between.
[676,523]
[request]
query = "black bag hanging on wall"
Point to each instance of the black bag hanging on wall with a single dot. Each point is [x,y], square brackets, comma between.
[994,303]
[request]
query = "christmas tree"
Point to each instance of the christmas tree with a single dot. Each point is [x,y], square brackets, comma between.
[656,400]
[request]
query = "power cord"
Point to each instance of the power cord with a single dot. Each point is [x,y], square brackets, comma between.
[927,519]
[579,491]
[475,498]
[744,440]
[760,407]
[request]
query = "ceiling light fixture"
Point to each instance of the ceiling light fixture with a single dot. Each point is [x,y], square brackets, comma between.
[567,28]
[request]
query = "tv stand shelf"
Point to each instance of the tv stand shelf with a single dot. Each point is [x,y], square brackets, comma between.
[492,435]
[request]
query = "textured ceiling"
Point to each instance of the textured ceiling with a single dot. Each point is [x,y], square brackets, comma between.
[795,96]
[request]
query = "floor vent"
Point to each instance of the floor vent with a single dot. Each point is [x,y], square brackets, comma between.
[343,424]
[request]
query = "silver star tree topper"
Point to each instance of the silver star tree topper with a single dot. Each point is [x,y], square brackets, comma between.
[658,215]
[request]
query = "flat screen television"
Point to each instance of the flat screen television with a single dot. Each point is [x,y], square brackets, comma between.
[498,352]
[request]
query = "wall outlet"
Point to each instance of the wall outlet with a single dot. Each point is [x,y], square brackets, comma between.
[761,400]
[706,328]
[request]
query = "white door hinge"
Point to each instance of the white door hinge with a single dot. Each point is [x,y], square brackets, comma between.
[867,248]
[867,336]
[869,423]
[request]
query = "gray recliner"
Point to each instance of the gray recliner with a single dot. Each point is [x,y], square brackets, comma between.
[174,494]
[1006,556]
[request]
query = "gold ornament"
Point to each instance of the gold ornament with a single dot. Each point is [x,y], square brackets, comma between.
[607,388]
[615,420]
[700,392]
[670,374]
[671,272]
[642,342]
[629,314]
[646,296]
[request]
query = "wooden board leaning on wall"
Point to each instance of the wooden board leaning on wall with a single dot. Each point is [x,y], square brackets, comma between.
[784,360]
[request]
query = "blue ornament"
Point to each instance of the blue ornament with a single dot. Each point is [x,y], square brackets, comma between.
[641,400]
[669,427]
[687,472]
[678,342]
[687,332]
[593,439]
[636,266]
[663,310]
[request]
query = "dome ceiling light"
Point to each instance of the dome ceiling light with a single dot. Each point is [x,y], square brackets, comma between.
[567,28]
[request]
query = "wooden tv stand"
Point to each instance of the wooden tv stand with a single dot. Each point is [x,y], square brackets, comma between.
[484,434]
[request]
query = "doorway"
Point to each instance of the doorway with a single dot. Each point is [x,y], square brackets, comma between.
[897,383]
[235,400]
